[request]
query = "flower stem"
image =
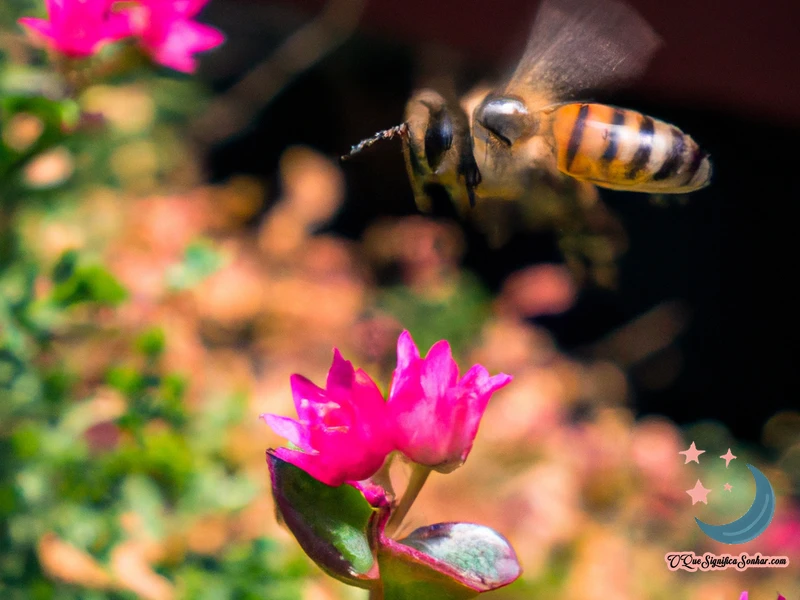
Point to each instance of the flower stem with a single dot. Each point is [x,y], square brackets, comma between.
[376,593]
[418,477]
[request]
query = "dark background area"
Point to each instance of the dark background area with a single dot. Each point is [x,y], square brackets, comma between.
[728,73]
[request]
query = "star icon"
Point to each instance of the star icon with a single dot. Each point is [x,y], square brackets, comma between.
[728,487]
[698,493]
[692,454]
[728,456]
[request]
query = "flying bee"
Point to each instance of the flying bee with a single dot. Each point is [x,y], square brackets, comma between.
[503,143]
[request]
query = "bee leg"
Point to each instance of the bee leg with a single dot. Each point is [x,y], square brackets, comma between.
[468,168]
[472,178]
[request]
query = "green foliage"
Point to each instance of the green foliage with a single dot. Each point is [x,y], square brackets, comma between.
[243,572]
[151,343]
[340,531]
[83,450]
[330,523]
[56,118]
[481,557]
[76,283]
[200,260]
[160,464]
[456,317]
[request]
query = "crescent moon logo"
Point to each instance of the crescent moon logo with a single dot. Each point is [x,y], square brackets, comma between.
[752,523]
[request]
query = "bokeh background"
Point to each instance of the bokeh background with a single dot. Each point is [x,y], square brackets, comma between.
[174,247]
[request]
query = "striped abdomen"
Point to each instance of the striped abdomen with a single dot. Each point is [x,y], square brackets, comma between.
[626,150]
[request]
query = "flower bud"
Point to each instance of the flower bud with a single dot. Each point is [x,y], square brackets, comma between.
[342,431]
[435,414]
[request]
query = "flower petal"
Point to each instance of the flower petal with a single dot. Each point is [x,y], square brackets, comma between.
[435,415]
[407,351]
[478,379]
[368,397]
[439,370]
[313,404]
[343,428]
[202,37]
[312,465]
[119,26]
[40,27]
[77,28]
[182,40]
[289,429]
[341,373]
[189,8]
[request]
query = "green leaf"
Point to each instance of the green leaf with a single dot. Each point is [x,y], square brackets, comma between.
[126,380]
[200,260]
[151,343]
[446,561]
[329,523]
[212,489]
[65,267]
[16,284]
[26,440]
[11,367]
[55,116]
[76,283]
[142,496]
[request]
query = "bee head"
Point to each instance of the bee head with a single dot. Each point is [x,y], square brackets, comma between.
[430,133]
[427,133]
[505,118]
[437,147]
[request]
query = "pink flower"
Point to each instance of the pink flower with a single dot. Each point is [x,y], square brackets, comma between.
[168,34]
[436,414]
[77,28]
[342,431]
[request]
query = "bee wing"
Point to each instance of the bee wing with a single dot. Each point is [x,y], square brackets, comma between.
[581,45]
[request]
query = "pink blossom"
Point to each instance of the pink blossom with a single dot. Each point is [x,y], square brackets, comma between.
[436,414]
[77,28]
[342,431]
[168,34]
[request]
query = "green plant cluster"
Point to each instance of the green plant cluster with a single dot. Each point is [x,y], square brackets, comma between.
[70,474]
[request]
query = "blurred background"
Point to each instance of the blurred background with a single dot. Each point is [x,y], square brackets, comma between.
[174,248]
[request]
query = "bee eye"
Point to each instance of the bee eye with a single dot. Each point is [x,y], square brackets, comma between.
[438,137]
[506,118]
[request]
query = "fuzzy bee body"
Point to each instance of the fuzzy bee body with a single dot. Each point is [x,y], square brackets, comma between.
[500,143]
[537,134]
[625,150]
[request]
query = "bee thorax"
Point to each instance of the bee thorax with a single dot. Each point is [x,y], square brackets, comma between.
[506,118]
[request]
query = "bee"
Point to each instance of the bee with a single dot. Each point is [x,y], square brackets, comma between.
[502,143]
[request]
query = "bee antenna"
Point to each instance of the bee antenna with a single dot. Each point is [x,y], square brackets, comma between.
[386,134]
